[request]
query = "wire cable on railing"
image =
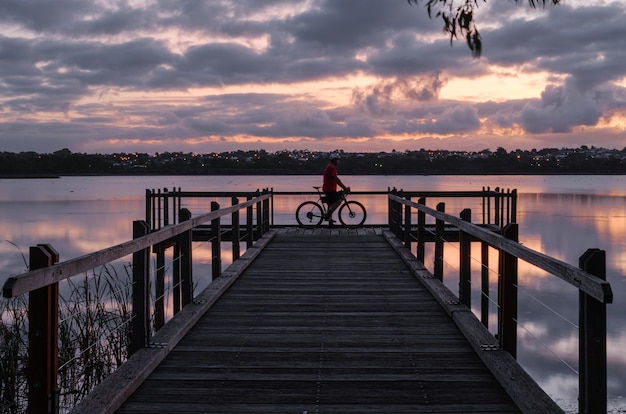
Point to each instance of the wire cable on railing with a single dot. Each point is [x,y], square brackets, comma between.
[93,345]
[525,291]
[196,245]
[480,291]
[569,366]
[546,347]
[454,245]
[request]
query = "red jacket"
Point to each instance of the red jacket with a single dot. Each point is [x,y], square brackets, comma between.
[330,178]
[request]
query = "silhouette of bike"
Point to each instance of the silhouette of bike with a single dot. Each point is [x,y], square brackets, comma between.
[310,214]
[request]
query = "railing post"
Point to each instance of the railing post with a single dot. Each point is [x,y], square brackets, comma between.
[396,211]
[465,271]
[485,205]
[592,344]
[159,286]
[141,264]
[484,284]
[177,203]
[514,206]
[259,217]
[389,207]
[216,242]
[43,332]
[407,225]
[235,230]
[186,260]
[497,201]
[249,224]
[421,231]
[439,232]
[392,205]
[507,328]
[166,207]
[148,207]
[158,223]
[266,213]
[397,216]
[271,223]
[176,285]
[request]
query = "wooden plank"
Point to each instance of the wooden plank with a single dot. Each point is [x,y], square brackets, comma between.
[518,384]
[115,389]
[327,321]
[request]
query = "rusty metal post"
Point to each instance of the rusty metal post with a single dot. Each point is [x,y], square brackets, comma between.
[507,327]
[465,271]
[592,344]
[43,332]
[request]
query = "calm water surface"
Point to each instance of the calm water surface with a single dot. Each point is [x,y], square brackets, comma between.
[561,216]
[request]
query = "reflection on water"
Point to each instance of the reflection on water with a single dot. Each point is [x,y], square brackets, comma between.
[559,216]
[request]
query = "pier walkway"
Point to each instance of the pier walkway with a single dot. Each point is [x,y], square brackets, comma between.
[331,321]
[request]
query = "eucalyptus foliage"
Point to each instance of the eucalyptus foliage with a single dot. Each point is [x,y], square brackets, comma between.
[458,18]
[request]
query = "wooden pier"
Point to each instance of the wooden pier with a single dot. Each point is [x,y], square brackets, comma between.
[315,320]
[326,321]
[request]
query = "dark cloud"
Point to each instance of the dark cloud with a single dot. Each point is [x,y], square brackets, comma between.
[389,96]
[452,120]
[560,109]
[72,70]
[44,16]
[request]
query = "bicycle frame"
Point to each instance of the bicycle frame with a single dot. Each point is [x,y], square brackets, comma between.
[311,214]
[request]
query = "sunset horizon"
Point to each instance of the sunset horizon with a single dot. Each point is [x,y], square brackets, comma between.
[151,76]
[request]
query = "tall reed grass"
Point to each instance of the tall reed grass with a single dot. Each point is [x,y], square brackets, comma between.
[94,338]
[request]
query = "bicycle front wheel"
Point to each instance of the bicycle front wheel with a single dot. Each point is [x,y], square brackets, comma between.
[309,214]
[352,214]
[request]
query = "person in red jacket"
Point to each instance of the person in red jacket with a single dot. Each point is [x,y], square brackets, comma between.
[329,187]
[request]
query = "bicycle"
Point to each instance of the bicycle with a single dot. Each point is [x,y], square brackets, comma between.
[310,214]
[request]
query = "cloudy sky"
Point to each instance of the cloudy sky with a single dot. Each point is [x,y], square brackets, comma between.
[366,75]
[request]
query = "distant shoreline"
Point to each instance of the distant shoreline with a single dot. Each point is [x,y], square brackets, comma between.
[29,176]
[54,176]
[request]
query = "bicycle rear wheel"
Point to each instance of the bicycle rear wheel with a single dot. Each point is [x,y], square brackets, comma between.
[352,214]
[309,214]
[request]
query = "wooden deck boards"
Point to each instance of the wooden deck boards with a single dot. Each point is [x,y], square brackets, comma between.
[323,321]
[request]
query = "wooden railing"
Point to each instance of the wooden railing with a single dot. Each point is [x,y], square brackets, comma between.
[498,206]
[589,279]
[42,284]
[163,206]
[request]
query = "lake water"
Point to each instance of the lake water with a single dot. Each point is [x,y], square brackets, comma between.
[561,216]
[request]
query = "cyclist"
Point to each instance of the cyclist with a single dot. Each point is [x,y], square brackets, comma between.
[329,187]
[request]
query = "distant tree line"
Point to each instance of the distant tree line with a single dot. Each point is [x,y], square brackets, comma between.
[581,160]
